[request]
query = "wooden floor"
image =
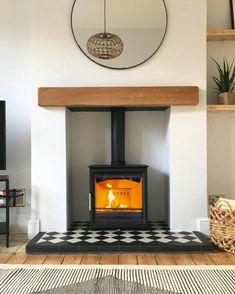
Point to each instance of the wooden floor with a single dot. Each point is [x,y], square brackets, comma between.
[15,254]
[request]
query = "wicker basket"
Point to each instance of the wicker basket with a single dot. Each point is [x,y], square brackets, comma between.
[222,225]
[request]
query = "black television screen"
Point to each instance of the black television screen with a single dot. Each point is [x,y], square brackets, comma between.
[2,135]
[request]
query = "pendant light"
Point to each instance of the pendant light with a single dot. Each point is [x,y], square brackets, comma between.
[105,45]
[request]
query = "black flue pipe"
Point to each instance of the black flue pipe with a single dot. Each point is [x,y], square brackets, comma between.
[118,136]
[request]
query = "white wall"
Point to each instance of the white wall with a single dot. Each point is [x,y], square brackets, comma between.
[188,185]
[14,88]
[36,39]
[69,162]
[49,179]
[181,60]
[187,125]
[221,154]
[218,16]
[221,139]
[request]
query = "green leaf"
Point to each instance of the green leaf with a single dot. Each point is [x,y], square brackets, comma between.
[226,76]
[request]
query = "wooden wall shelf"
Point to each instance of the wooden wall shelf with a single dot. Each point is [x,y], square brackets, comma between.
[100,97]
[220,108]
[221,35]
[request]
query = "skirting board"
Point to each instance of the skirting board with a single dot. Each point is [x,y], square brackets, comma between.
[33,228]
[203,226]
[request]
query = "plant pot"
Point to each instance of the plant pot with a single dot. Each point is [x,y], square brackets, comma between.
[226,98]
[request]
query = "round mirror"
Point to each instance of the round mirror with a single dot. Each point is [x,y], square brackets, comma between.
[119,34]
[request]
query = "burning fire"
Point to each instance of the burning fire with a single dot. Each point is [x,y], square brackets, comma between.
[113,203]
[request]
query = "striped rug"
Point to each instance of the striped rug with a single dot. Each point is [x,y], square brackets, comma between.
[46,279]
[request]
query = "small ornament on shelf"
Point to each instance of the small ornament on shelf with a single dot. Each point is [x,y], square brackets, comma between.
[225,82]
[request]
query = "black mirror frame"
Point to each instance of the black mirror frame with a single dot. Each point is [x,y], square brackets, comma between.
[118,68]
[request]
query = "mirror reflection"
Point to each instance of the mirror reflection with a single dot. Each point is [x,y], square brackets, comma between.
[119,34]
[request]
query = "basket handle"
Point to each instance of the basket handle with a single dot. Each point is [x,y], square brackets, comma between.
[221,203]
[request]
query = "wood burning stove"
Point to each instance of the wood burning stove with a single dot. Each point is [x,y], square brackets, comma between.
[118,192]
[118,197]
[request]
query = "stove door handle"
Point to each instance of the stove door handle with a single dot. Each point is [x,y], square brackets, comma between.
[89,197]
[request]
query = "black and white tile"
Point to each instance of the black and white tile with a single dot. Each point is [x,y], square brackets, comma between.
[157,238]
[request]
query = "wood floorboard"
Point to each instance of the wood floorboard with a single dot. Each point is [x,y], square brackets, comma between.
[109,259]
[220,258]
[54,259]
[19,258]
[202,259]
[231,256]
[4,257]
[90,259]
[164,259]
[35,259]
[128,259]
[145,259]
[72,259]
[183,259]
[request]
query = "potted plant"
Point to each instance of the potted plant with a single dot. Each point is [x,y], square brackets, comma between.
[225,82]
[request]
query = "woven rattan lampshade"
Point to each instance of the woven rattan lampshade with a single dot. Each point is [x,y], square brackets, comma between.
[105,45]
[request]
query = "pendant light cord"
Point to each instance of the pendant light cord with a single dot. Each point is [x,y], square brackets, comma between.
[104,16]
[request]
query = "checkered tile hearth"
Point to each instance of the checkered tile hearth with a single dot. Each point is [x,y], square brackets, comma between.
[80,238]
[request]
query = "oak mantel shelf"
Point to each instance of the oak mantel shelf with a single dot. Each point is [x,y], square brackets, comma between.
[220,108]
[221,35]
[99,97]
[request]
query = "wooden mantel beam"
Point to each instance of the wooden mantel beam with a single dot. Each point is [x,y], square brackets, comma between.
[98,97]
